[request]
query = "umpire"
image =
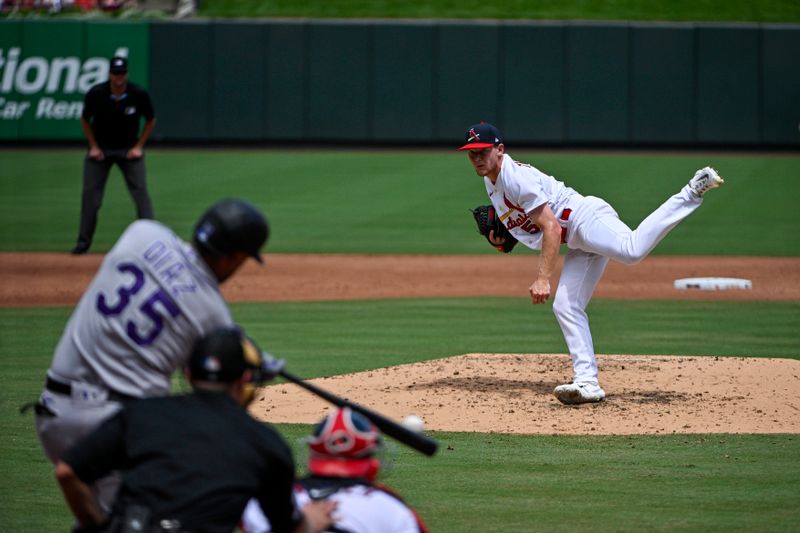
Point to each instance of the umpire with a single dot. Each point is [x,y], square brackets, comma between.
[112,111]
[190,463]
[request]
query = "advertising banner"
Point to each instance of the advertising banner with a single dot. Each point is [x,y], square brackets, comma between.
[46,67]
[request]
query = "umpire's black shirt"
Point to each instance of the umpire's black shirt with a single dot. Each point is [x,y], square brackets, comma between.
[115,123]
[197,458]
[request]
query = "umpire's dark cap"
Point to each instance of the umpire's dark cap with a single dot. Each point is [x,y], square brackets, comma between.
[218,357]
[118,64]
[482,135]
[232,225]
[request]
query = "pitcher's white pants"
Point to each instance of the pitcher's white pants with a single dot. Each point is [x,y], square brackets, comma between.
[595,234]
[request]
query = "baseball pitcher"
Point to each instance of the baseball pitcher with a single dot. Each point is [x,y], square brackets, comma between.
[541,212]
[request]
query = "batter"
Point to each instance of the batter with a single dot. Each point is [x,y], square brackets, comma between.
[152,298]
[541,212]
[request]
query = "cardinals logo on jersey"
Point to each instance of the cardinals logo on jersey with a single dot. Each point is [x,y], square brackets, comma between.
[524,223]
[521,221]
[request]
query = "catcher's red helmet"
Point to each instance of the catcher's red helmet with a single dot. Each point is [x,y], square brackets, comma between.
[343,445]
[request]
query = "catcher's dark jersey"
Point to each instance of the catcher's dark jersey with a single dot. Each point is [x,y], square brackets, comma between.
[196,458]
[115,123]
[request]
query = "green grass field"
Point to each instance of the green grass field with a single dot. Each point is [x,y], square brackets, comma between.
[407,201]
[415,202]
[492,482]
[650,10]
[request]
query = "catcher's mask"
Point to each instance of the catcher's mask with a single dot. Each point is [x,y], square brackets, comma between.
[224,356]
[343,445]
[232,225]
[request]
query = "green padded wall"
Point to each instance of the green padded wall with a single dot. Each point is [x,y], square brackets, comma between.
[533,82]
[285,81]
[181,79]
[403,83]
[238,88]
[467,85]
[727,89]
[339,72]
[662,84]
[597,83]
[369,81]
[780,77]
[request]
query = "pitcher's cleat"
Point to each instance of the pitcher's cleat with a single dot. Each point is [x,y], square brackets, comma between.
[579,392]
[704,180]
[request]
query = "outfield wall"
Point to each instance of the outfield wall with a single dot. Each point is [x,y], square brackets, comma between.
[554,83]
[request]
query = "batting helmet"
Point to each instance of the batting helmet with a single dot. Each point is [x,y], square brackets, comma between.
[231,226]
[343,445]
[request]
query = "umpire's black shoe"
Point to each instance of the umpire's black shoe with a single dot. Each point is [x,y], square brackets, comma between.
[80,249]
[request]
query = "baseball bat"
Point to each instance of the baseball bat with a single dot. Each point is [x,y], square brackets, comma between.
[418,441]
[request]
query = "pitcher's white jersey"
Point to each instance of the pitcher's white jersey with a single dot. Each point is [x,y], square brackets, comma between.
[152,298]
[360,509]
[520,188]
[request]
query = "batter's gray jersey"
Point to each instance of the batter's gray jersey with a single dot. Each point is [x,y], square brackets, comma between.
[152,298]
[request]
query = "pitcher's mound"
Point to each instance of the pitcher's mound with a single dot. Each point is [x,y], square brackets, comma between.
[512,393]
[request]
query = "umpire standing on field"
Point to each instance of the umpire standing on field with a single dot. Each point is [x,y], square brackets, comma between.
[190,463]
[112,111]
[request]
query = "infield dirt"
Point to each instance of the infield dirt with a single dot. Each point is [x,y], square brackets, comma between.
[507,393]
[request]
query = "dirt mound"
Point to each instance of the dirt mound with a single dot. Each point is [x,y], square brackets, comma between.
[496,392]
[512,393]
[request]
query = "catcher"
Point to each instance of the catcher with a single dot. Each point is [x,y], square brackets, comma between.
[543,213]
[343,469]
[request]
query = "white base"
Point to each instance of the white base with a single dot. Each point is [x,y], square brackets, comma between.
[713,284]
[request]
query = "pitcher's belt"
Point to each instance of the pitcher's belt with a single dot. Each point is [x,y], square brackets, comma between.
[565,216]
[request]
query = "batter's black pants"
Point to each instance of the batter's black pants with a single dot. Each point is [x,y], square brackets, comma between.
[95,176]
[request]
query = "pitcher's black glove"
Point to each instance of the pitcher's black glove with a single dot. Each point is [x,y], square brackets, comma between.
[488,221]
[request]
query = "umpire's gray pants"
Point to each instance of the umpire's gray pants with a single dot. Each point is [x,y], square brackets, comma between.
[95,176]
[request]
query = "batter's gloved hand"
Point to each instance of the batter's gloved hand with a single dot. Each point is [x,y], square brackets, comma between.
[270,366]
[490,225]
[261,364]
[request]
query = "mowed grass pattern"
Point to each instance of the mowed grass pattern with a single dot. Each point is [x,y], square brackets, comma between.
[416,202]
[484,482]
[402,202]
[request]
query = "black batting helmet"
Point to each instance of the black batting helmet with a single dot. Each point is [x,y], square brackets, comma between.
[232,225]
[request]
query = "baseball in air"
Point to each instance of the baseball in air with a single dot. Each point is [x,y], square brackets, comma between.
[414,423]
